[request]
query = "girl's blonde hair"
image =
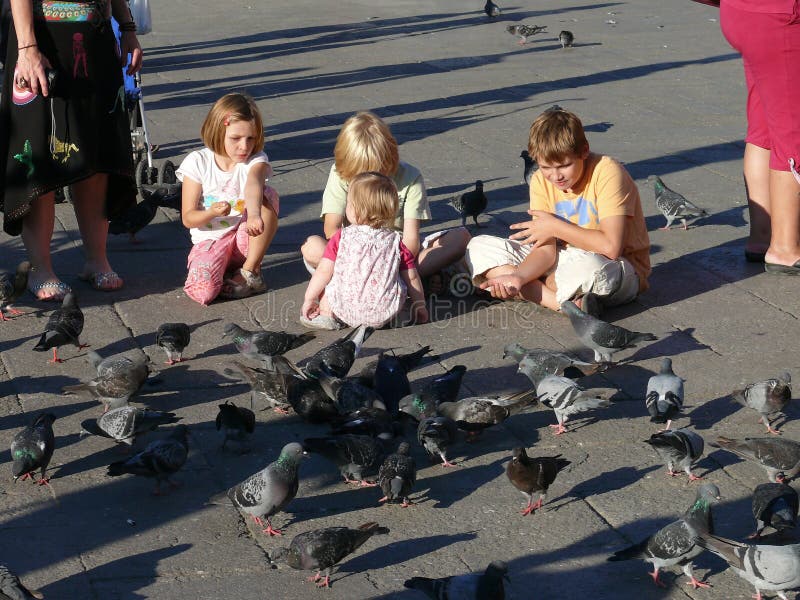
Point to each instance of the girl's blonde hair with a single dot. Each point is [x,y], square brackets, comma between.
[365,144]
[556,135]
[373,197]
[230,109]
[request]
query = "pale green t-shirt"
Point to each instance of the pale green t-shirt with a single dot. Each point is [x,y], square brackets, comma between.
[410,190]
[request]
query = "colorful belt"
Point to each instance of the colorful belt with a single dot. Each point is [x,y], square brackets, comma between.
[69,12]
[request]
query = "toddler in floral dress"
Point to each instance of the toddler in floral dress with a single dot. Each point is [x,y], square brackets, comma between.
[366,272]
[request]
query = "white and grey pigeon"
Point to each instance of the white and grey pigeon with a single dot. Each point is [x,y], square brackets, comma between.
[776,455]
[538,363]
[678,448]
[125,423]
[267,492]
[525,31]
[12,287]
[470,586]
[173,339]
[775,505]
[674,205]
[160,459]
[767,397]
[604,338]
[477,413]
[265,384]
[567,398]
[677,543]
[11,588]
[118,379]
[664,397]
[766,568]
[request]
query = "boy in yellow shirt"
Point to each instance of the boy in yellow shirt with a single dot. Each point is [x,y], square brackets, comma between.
[587,232]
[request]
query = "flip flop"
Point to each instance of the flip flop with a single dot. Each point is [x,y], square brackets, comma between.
[60,288]
[777,269]
[103,281]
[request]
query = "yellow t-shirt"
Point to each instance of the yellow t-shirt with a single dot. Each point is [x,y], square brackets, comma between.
[605,190]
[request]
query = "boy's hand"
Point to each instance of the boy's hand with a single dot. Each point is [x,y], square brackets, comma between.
[220,209]
[538,231]
[255,226]
[503,287]
[310,309]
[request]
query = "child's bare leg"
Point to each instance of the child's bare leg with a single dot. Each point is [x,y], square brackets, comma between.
[499,271]
[259,244]
[541,292]
[313,249]
[443,251]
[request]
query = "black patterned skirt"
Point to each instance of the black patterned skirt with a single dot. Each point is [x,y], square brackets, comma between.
[81,129]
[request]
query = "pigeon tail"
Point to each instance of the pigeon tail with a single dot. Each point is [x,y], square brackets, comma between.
[722,547]
[426,585]
[738,396]
[635,551]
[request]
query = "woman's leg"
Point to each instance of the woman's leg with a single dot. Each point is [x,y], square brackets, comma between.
[37,231]
[90,197]
[784,195]
[757,184]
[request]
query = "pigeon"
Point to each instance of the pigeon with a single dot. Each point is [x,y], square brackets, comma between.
[125,423]
[529,167]
[136,218]
[774,505]
[32,448]
[678,447]
[118,379]
[538,363]
[306,396]
[677,543]
[347,394]
[235,421]
[470,204]
[357,456]
[674,206]
[436,434]
[406,362]
[475,414]
[604,338]
[470,586]
[322,549]
[388,376]
[664,398]
[491,9]
[12,589]
[767,568]
[397,476]
[159,459]
[173,338]
[338,357]
[373,421]
[263,345]
[264,384]
[567,398]
[63,327]
[566,39]
[531,475]
[525,31]
[774,454]
[767,397]
[12,287]
[442,389]
[267,492]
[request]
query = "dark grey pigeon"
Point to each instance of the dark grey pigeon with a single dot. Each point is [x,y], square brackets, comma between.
[766,568]
[566,39]
[677,543]
[604,338]
[374,421]
[538,363]
[444,388]
[323,549]
[118,379]
[491,9]
[11,587]
[263,345]
[664,397]
[388,376]
[136,218]
[397,476]
[471,586]
[532,475]
[567,398]
[173,339]
[471,204]
[32,448]
[678,448]
[357,456]
[436,435]
[405,362]
[775,505]
[159,459]
[306,396]
[774,454]
[525,31]
[63,327]
[767,397]
[347,394]
[235,422]
[529,167]
[673,205]
[12,287]
[267,492]
[337,358]
[124,424]
[265,384]
[477,413]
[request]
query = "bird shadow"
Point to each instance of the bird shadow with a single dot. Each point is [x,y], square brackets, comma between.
[457,484]
[674,343]
[605,482]
[704,416]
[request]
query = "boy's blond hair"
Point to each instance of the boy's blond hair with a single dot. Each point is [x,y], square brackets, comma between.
[365,144]
[230,109]
[373,198]
[556,135]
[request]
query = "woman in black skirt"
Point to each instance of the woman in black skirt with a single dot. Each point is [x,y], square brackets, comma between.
[63,121]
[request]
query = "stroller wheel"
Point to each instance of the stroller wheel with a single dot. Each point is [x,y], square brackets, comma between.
[166,174]
[145,175]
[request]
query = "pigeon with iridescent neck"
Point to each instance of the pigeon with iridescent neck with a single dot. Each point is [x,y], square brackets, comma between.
[263,345]
[470,586]
[173,339]
[32,448]
[674,205]
[12,287]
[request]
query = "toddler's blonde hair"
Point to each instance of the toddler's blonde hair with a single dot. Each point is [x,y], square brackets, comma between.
[373,198]
[365,144]
[230,109]
[556,135]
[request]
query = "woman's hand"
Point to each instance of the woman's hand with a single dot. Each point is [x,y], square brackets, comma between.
[31,65]
[129,44]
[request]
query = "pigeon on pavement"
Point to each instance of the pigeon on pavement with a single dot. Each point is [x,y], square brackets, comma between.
[775,505]
[306,396]
[32,448]
[393,362]
[263,345]
[532,475]
[442,389]
[471,204]
[470,586]
[397,476]
[12,589]
[529,167]
[475,414]
[567,398]
[63,327]
[267,384]
[538,363]
[525,31]
[173,338]
[347,394]
[566,39]
[373,421]
[674,206]
[236,422]
[774,454]
[338,357]
[12,287]
[118,379]
[767,397]
[678,447]
[604,338]
[436,434]
[136,218]
[125,423]
[677,543]
[664,397]
[357,456]
[159,459]
[491,9]
[323,549]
